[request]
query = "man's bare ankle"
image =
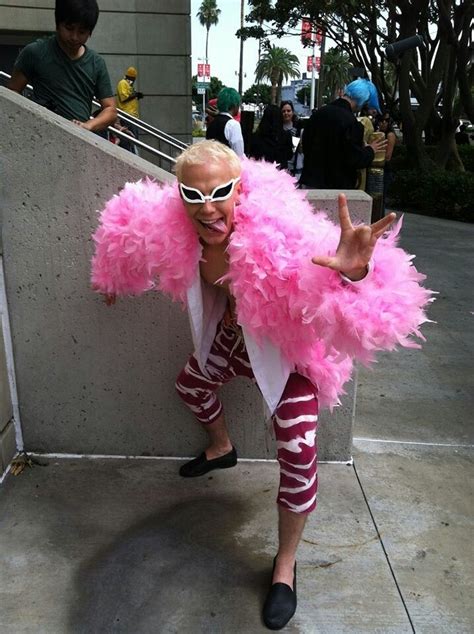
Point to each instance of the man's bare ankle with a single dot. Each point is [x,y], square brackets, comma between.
[284,570]
[216,451]
[285,560]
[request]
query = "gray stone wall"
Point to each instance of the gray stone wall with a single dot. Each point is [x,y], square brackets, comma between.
[93,379]
[152,35]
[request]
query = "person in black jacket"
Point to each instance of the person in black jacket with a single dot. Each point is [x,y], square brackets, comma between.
[224,127]
[333,144]
[270,141]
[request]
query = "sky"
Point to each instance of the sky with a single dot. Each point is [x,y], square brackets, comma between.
[224,47]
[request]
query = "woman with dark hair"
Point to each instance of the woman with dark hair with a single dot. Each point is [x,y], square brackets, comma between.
[290,119]
[293,125]
[384,123]
[271,142]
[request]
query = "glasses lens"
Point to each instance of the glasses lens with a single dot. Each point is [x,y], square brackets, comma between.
[223,192]
[191,195]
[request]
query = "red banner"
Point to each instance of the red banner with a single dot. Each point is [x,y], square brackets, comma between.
[319,36]
[317,64]
[200,70]
[207,70]
[306,32]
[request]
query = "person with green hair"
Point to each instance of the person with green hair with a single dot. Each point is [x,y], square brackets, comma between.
[224,127]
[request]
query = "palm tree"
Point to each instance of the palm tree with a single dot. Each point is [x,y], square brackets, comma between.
[208,15]
[277,64]
[336,71]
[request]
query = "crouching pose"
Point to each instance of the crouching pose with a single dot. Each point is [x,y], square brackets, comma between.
[275,293]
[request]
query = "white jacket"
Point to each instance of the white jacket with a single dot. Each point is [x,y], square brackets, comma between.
[206,307]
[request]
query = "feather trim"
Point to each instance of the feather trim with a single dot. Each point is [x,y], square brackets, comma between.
[320,323]
[145,240]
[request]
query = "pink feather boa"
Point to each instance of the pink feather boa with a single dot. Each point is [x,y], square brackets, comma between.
[145,240]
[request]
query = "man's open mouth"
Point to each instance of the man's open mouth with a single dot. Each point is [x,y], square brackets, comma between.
[217,225]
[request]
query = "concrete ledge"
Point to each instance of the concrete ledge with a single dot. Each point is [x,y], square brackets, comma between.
[360,203]
[92,379]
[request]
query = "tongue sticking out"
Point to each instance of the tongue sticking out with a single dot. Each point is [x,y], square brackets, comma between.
[218,225]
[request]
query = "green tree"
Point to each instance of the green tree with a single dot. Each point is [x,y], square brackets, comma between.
[277,64]
[208,15]
[336,72]
[439,75]
[258,93]
[304,95]
[215,86]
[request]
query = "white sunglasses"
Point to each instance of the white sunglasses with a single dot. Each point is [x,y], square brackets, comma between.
[218,194]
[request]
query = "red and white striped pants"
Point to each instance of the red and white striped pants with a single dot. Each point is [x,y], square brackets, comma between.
[295,419]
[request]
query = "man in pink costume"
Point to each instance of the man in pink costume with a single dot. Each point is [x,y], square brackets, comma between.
[275,293]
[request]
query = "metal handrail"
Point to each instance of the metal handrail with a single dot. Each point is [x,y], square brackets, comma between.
[142,125]
[164,136]
[148,128]
[141,144]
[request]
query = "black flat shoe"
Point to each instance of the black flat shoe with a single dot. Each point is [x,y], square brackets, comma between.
[201,465]
[280,604]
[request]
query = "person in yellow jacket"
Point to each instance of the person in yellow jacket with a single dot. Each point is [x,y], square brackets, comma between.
[127,97]
[127,100]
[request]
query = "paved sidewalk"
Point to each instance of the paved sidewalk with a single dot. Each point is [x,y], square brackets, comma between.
[127,546]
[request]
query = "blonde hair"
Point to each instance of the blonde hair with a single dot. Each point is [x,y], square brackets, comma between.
[205,152]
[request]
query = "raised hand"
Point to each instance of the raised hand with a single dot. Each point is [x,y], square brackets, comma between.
[356,244]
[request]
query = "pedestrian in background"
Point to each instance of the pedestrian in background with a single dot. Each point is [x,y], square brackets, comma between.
[224,127]
[293,125]
[290,119]
[271,142]
[127,97]
[384,123]
[65,73]
[211,111]
[333,143]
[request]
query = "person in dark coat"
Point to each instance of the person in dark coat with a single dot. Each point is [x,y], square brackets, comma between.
[224,127]
[270,141]
[333,143]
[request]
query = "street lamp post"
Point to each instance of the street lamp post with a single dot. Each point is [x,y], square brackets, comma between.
[321,72]
[203,78]
[241,57]
[313,78]
[204,105]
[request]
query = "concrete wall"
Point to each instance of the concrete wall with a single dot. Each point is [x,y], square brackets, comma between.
[152,35]
[93,379]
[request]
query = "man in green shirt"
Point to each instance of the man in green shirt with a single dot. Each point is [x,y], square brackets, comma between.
[65,74]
